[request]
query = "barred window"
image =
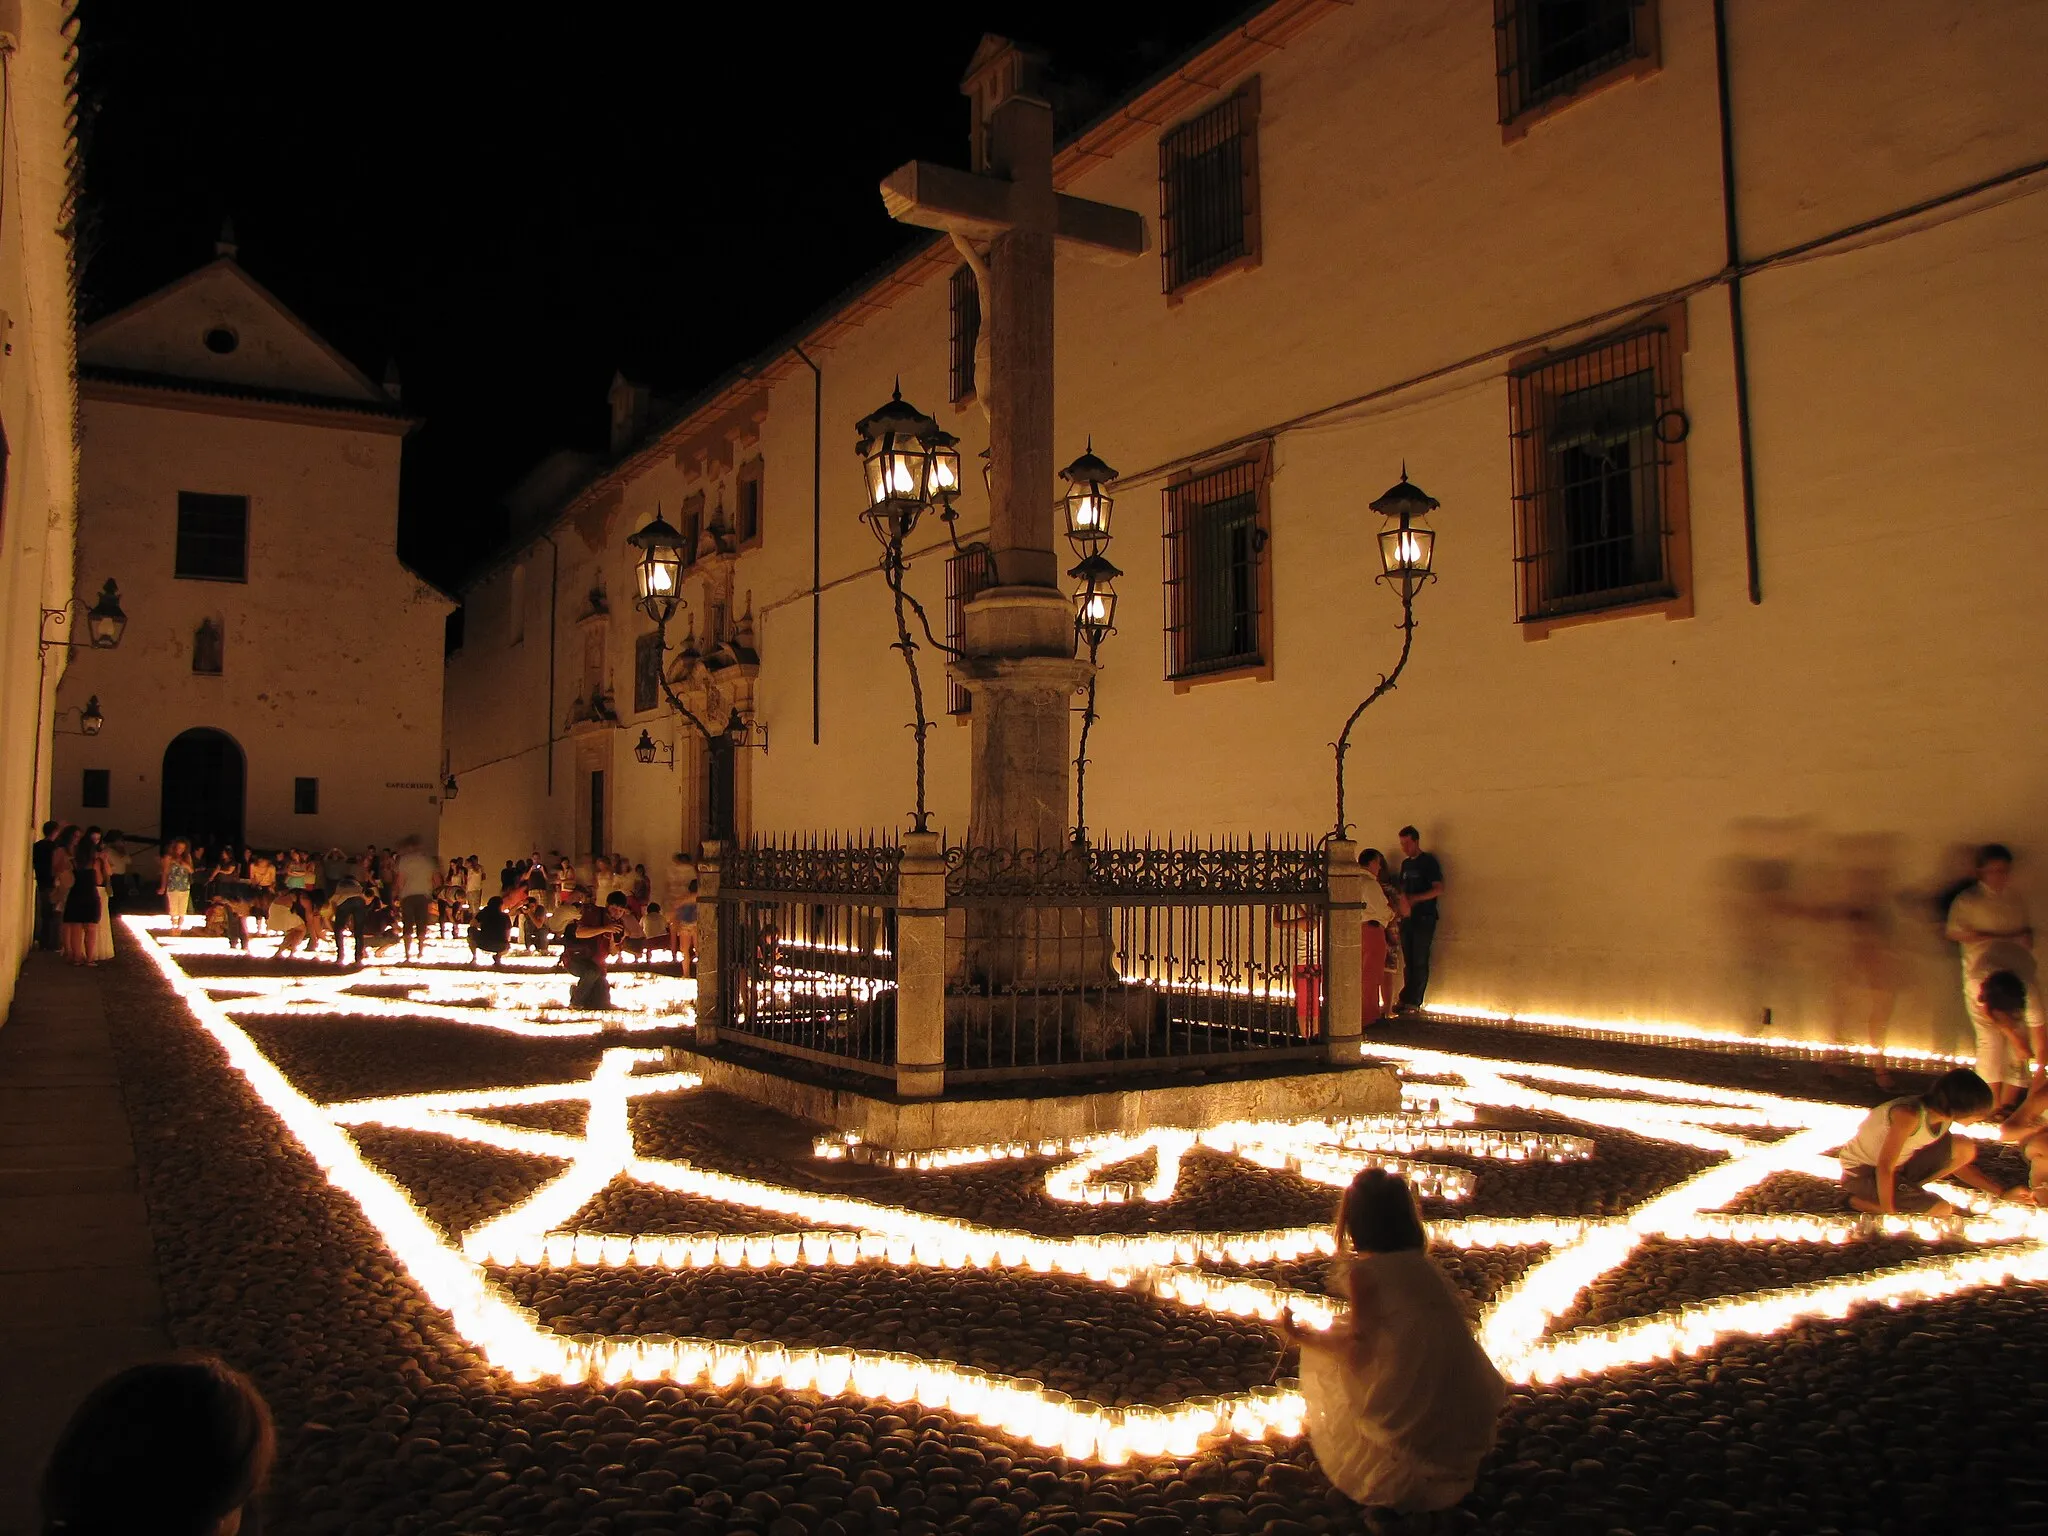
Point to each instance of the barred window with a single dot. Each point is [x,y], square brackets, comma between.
[646,672]
[692,526]
[1598,461]
[1216,571]
[965,296]
[747,508]
[1546,50]
[1208,191]
[968,574]
[213,537]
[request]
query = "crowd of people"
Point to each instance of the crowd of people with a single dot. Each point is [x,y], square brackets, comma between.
[397,897]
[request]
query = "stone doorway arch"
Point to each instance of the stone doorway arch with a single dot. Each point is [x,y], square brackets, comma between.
[204,781]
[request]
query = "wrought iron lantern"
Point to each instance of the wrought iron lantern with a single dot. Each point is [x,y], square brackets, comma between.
[660,574]
[943,479]
[449,788]
[1407,543]
[643,749]
[898,445]
[104,620]
[1088,502]
[1095,599]
[90,719]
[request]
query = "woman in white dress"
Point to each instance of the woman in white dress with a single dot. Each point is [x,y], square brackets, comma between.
[1403,1404]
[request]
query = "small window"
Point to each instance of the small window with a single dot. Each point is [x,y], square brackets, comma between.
[968,574]
[305,797]
[96,793]
[1548,51]
[209,648]
[221,341]
[747,512]
[213,537]
[1598,458]
[1218,616]
[1208,192]
[646,673]
[692,528]
[965,294]
[515,612]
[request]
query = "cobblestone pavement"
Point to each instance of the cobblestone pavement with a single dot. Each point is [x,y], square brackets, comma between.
[1888,1420]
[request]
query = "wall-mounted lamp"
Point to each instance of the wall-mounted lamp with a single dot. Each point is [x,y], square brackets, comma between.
[648,750]
[89,719]
[104,623]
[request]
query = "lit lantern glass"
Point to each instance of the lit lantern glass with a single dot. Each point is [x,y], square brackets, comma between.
[1407,543]
[1088,503]
[660,571]
[1095,599]
[90,719]
[943,473]
[643,749]
[896,447]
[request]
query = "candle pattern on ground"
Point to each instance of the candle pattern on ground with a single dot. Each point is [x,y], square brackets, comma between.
[2005,1242]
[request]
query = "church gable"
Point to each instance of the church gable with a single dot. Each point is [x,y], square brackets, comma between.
[219,326]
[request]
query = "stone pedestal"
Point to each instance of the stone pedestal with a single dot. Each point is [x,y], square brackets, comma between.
[921,968]
[1343,979]
[709,976]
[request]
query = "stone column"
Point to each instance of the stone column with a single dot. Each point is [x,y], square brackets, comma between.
[921,968]
[709,978]
[1343,982]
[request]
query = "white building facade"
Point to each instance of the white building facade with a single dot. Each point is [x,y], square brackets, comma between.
[38,415]
[279,682]
[1737,641]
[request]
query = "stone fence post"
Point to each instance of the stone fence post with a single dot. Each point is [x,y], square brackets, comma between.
[1343,980]
[710,978]
[921,968]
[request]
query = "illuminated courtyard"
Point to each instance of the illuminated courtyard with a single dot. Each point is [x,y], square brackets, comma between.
[504,1266]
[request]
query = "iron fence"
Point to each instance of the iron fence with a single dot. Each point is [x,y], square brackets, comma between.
[1136,956]
[807,950]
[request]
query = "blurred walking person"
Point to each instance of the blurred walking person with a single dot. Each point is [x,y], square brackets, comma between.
[415,879]
[1995,932]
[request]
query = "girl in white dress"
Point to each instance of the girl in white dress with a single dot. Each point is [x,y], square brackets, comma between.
[1403,1404]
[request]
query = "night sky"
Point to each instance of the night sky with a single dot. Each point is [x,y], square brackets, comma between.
[512,205]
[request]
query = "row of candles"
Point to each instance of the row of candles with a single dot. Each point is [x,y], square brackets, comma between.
[513,1337]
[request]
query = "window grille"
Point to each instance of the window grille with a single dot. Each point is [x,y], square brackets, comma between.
[967,575]
[966,309]
[1549,48]
[305,797]
[1592,436]
[1207,191]
[646,673]
[693,526]
[97,792]
[747,508]
[213,537]
[1215,572]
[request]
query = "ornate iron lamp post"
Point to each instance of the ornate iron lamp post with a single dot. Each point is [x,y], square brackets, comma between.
[658,578]
[1088,506]
[1407,549]
[912,466]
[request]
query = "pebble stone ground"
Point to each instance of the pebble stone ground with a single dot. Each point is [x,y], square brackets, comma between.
[1889,1421]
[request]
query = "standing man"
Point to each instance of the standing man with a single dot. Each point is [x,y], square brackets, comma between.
[39,853]
[1422,883]
[416,877]
[1991,925]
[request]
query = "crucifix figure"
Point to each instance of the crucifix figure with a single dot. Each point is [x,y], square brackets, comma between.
[1018,644]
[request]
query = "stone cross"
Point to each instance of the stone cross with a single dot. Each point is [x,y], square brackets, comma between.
[1019,658]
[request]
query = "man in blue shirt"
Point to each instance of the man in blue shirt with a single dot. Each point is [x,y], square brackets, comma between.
[1422,883]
